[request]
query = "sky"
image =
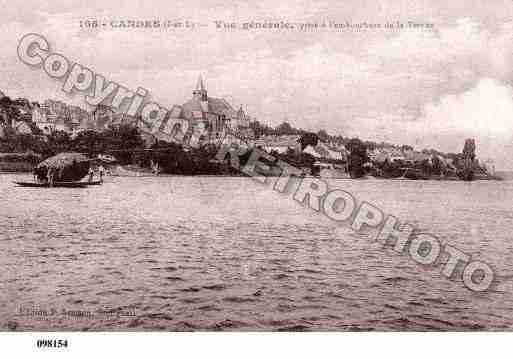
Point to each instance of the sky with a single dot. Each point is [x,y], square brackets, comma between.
[429,87]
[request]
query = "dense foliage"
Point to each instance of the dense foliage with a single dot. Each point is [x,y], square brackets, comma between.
[120,141]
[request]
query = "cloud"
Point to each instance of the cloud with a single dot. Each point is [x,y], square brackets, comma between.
[484,112]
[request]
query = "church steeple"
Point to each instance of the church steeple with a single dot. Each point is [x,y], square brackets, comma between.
[200,86]
[241,114]
[200,93]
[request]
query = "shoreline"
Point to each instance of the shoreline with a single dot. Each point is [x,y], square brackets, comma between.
[3,172]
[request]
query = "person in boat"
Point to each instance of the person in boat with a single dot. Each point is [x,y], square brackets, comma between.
[91,174]
[101,172]
[41,177]
[50,175]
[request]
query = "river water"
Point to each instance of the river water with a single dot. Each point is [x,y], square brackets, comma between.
[216,253]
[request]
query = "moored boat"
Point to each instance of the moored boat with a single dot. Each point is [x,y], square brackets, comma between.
[61,170]
[55,184]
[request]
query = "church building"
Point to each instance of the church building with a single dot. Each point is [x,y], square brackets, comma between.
[213,115]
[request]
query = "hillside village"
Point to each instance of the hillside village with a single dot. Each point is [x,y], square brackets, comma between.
[55,125]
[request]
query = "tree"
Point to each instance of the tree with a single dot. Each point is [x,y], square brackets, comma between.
[8,110]
[357,157]
[285,129]
[469,156]
[323,135]
[469,149]
[260,129]
[90,142]
[308,138]
[58,141]
[438,166]
[122,140]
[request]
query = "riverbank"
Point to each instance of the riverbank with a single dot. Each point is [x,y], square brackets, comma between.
[18,162]
[25,163]
[16,167]
[22,171]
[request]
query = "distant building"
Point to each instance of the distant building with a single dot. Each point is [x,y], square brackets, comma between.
[57,116]
[40,118]
[103,116]
[322,151]
[22,127]
[396,155]
[489,166]
[280,144]
[63,125]
[77,116]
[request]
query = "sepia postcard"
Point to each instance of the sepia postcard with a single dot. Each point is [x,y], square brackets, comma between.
[258,166]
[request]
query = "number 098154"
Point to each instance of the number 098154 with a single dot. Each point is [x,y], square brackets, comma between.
[52,343]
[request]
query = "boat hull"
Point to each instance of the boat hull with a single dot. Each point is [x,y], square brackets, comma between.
[56,184]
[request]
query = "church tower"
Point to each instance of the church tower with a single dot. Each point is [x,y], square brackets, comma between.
[200,93]
[242,118]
